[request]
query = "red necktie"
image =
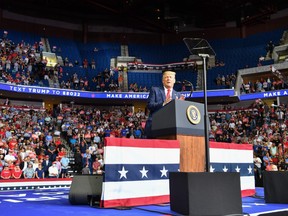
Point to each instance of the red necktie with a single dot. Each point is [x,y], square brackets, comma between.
[168,94]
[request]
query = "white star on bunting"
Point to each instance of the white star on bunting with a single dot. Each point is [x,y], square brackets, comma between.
[164,172]
[225,169]
[249,169]
[237,169]
[212,169]
[123,173]
[144,172]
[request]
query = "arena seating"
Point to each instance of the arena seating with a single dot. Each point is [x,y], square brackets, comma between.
[234,52]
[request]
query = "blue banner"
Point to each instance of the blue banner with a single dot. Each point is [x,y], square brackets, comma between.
[263,95]
[73,93]
[102,95]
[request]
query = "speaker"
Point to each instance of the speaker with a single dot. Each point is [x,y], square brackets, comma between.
[84,188]
[205,194]
[282,213]
[275,186]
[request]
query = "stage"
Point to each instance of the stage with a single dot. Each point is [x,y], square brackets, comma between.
[54,201]
[139,184]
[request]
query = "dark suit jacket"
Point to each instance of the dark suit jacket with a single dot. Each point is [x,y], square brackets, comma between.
[46,166]
[155,102]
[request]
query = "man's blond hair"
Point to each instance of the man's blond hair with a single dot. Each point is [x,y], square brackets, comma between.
[169,72]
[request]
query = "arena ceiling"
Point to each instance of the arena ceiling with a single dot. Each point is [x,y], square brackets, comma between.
[150,15]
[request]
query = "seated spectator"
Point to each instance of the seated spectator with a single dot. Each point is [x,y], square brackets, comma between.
[48,138]
[137,133]
[99,171]
[86,170]
[271,167]
[96,166]
[282,165]
[61,153]
[11,165]
[10,156]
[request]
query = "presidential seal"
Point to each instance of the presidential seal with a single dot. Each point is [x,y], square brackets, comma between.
[193,114]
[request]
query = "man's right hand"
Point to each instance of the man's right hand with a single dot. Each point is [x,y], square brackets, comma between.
[168,100]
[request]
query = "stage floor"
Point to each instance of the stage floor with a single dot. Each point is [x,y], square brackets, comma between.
[54,202]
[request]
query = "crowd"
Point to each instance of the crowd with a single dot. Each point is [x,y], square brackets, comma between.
[21,63]
[227,81]
[262,85]
[41,144]
[30,145]
[263,126]
[100,81]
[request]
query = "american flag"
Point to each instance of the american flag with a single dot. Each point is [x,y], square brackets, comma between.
[137,171]
[229,157]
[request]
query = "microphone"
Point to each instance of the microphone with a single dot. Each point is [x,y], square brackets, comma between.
[188,83]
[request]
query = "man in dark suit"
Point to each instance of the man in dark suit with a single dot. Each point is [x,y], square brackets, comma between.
[46,164]
[160,96]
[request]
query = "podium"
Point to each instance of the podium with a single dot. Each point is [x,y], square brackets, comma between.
[193,190]
[183,121]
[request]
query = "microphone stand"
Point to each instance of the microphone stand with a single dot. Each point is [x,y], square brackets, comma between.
[204,57]
[200,47]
